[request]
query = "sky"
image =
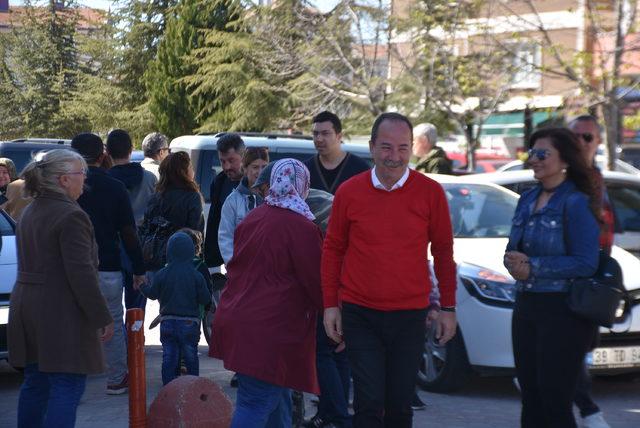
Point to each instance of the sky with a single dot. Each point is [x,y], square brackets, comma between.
[323,5]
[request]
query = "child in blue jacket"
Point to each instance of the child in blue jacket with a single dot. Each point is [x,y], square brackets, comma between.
[181,289]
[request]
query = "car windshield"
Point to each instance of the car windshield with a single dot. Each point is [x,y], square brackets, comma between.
[480,211]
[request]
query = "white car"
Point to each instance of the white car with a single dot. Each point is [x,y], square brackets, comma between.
[623,190]
[481,214]
[8,270]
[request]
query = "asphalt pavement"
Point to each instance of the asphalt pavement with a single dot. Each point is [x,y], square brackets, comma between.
[483,403]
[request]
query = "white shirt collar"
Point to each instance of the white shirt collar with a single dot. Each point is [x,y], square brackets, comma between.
[378,184]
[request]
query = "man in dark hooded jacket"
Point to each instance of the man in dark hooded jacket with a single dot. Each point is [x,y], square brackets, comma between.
[141,185]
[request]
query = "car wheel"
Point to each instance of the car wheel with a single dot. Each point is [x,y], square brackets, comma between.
[443,368]
[207,321]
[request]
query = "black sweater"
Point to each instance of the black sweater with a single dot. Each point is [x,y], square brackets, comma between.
[106,201]
[351,165]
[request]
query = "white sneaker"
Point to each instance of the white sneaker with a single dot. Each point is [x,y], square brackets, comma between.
[595,421]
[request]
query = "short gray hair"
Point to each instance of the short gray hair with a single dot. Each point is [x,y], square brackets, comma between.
[428,130]
[41,174]
[153,143]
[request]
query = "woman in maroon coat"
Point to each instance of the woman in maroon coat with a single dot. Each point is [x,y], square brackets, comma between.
[264,327]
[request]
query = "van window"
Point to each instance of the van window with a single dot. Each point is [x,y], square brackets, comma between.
[19,157]
[208,168]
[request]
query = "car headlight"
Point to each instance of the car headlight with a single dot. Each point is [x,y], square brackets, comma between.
[487,285]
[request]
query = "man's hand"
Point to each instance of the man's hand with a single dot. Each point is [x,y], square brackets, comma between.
[445,326]
[106,333]
[138,281]
[432,316]
[333,323]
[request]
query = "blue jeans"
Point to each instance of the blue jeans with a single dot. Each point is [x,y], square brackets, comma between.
[179,339]
[49,399]
[132,298]
[334,377]
[261,405]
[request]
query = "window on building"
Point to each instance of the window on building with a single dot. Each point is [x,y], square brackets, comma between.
[526,65]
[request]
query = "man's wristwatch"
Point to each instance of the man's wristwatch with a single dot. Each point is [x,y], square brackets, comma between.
[448,308]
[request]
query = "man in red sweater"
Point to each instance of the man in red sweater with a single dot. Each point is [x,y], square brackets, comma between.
[375,278]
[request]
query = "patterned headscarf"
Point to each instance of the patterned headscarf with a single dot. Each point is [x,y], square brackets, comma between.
[290,187]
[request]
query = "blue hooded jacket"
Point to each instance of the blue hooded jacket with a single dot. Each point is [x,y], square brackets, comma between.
[179,287]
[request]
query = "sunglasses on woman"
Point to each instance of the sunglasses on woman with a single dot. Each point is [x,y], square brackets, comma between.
[540,154]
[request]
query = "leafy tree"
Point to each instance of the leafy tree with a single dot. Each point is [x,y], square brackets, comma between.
[142,25]
[39,66]
[229,85]
[598,74]
[467,86]
[174,106]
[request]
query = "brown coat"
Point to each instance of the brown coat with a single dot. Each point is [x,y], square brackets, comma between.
[56,305]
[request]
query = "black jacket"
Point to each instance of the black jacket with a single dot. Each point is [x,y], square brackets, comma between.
[106,201]
[221,187]
[182,207]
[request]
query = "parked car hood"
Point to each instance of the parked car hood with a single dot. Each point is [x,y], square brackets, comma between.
[488,253]
[483,252]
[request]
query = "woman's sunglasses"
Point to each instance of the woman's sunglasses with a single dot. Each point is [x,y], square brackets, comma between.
[540,154]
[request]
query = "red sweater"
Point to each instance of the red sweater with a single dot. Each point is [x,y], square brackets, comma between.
[375,250]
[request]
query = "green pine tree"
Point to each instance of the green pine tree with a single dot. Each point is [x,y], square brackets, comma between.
[173,106]
[233,87]
[39,66]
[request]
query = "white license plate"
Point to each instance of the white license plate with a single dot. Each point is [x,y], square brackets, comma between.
[4,315]
[615,357]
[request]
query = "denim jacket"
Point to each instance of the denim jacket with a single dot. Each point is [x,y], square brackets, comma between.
[556,255]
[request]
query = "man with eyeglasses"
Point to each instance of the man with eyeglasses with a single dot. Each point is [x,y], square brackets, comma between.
[331,166]
[587,129]
[328,169]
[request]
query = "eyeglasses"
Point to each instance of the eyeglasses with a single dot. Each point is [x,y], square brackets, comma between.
[540,154]
[586,136]
[83,172]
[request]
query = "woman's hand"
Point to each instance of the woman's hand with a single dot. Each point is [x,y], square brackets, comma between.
[518,265]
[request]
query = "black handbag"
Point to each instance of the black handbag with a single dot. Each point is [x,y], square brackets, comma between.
[598,298]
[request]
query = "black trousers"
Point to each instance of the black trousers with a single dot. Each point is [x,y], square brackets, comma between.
[583,398]
[384,350]
[549,344]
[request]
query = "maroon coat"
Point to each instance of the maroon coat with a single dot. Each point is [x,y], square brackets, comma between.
[265,325]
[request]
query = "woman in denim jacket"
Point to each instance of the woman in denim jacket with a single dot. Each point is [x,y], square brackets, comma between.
[554,238]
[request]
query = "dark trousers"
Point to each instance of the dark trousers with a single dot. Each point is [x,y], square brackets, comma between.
[132,298]
[549,344]
[583,394]
[49,399]
[334,377]
[384,350]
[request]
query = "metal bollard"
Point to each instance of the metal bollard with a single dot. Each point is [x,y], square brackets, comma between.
[137,371]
